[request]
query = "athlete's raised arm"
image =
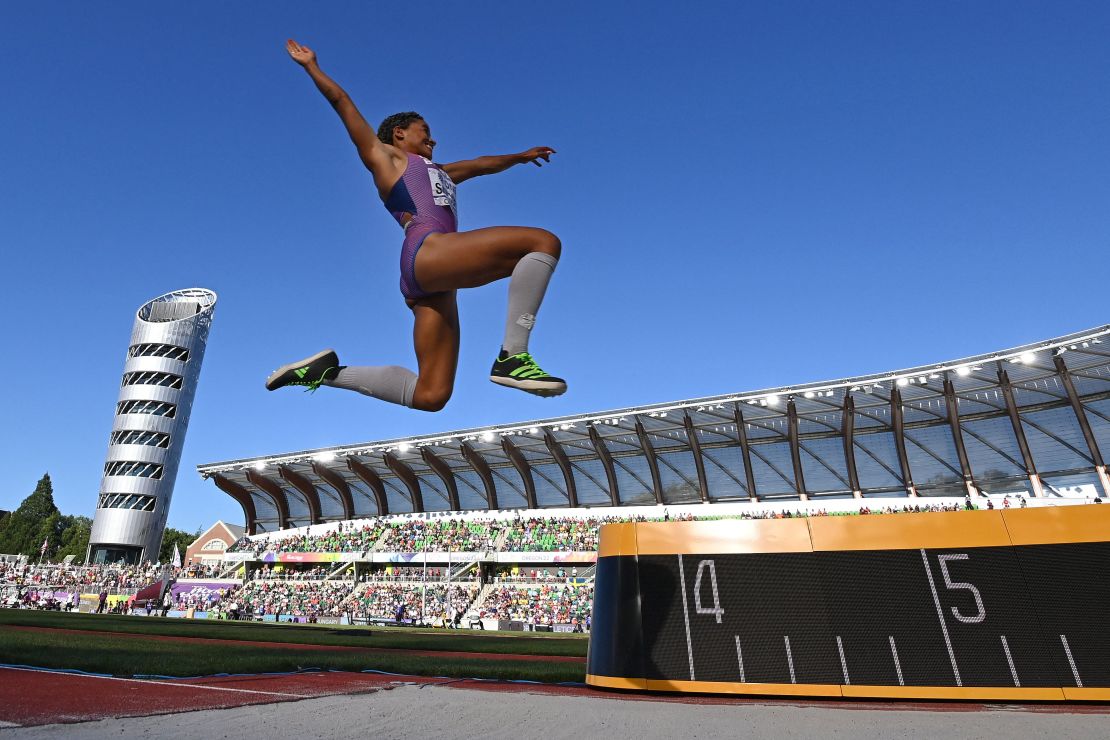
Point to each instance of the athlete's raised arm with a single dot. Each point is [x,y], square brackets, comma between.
[468,168]
[380,158]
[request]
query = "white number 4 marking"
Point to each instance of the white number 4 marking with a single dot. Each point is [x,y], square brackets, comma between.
[716,609]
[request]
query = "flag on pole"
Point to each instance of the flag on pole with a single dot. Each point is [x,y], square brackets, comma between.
[42,550]
[176,557]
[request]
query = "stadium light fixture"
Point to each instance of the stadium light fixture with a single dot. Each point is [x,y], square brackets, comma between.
[1028,357]
[963,371]
[260,465]
[404,447]
[810,394]
[773,399]
[902,382]
[487,436]
[324,456]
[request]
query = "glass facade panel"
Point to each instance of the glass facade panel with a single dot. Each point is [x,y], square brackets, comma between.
[298,507]
[932,455]
[510,488]
[550,485]
[397,496]
[365,503]
[1033,392]
[823,467]
[434,492]
[1098,418]
[1074,484]
[1092,381]
[633,480]
[679,477]
[724,473]
[472,491]
[1055,440]
[764,428]
[992,449]
[1007,487]
[590,482]
[331,507]
[773,470]
[877,465]
[264,509]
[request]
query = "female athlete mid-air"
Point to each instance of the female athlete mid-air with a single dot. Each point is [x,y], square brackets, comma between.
[436,261]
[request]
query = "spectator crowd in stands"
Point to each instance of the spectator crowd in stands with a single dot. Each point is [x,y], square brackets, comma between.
[540,604]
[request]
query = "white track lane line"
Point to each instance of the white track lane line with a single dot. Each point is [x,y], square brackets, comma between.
[155,682]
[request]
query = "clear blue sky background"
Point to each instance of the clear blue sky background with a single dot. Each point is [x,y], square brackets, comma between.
[748,195]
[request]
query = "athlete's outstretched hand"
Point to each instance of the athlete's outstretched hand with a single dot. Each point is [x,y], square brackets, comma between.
[536,153]
[302,55]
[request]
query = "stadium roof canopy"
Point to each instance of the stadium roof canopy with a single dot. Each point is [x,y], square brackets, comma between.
[1029,420]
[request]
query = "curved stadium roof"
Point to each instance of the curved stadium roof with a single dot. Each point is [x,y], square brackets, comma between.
[1033,420]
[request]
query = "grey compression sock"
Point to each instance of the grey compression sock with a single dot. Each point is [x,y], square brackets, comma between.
[526,289]
[388,383]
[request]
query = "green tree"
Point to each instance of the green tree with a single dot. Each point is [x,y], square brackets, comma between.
[37,518]
[74,538]
[175,537]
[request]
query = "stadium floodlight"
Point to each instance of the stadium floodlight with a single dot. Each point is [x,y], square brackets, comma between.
[326,456]
[260,465]
[1061,351]
[903,382]
[1028,357]
[963,371]
[810,394]
[404,447]
[487,436]
[533,430]
[773,399]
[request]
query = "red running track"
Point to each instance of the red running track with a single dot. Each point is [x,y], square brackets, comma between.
[35,697]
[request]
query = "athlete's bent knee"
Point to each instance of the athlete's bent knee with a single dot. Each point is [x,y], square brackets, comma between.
[431,400]
[548,243]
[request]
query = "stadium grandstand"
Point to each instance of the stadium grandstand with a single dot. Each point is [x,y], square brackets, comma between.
[498,526]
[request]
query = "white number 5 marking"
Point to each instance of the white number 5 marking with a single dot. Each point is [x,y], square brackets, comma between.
[952,585]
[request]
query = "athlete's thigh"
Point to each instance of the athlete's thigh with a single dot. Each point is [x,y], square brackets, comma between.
[467,259]
[435,336]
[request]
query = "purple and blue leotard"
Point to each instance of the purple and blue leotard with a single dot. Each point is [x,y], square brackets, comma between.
[423,202]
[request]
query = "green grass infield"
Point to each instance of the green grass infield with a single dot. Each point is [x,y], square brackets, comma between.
[129,646]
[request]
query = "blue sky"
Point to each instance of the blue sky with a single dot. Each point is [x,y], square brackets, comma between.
[748,195]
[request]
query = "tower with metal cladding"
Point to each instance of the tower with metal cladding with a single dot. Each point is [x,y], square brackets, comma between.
[148,432]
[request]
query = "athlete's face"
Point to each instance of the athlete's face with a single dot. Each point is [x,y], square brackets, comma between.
[416,138]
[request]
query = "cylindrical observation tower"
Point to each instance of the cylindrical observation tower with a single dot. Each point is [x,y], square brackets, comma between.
[148,432]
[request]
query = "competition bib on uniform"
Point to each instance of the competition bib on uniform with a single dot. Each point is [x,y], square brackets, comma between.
[443,188]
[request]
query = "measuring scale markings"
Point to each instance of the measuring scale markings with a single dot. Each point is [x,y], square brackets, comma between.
[740,660]
[843,663]
[1071,661]
[686,616]
[963,602]
[1010,660]
[940,616]
[897,664]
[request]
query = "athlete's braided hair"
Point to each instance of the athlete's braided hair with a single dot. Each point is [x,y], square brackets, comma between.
[397,120]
